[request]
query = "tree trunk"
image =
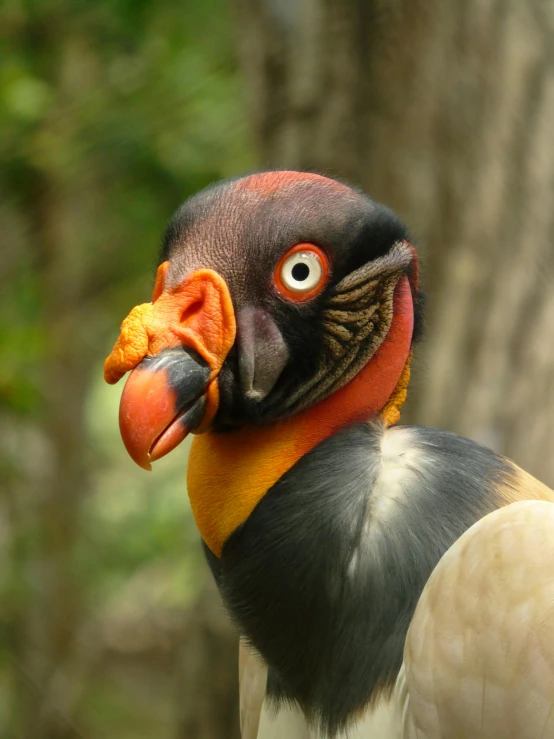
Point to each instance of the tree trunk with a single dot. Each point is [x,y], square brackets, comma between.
[444,112]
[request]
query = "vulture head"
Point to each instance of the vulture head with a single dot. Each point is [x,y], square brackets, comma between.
[279,296]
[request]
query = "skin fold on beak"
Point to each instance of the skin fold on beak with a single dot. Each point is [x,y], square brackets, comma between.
[175,348]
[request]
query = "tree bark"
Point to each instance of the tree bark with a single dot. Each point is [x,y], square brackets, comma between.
[444,112]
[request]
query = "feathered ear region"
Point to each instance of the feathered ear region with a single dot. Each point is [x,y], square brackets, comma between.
[413,269]
[417,294]
[391,412]
[355,322]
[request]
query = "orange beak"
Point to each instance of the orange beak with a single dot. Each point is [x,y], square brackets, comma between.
[175,347]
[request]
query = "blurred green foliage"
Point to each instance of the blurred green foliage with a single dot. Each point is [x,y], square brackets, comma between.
[135,104]
[111,114]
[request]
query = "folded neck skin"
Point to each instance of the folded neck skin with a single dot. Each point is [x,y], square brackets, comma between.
[229,473]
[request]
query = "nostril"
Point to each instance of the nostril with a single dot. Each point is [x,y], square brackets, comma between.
[191,310]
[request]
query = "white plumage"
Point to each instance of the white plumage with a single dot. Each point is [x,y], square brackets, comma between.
[479,656]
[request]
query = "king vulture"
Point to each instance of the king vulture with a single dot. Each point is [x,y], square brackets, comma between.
[387,581]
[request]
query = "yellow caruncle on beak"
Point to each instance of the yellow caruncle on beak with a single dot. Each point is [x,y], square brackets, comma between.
[176,347]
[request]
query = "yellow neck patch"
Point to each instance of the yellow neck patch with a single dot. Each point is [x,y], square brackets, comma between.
[229,473]
[391,412]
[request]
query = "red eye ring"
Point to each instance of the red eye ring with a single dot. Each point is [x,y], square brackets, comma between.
[314,268]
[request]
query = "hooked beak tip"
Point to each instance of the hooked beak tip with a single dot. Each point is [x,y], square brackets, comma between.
[162,402]
[145,463]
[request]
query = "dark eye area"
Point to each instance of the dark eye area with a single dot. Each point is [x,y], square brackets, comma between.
[300,272]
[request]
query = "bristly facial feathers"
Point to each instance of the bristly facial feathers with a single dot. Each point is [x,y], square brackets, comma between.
[356,319]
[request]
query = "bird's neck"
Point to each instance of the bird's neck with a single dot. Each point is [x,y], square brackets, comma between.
[229,473]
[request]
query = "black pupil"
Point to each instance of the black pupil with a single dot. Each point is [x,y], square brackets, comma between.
[300,272]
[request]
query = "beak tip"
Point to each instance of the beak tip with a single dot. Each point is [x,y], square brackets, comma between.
[152,418]
[141,459]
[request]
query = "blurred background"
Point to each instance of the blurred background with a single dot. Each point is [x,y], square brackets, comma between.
[113,112]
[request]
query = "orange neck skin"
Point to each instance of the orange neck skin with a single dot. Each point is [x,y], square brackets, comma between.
[229,473]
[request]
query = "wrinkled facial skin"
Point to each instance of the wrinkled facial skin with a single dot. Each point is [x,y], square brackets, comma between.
[241,229]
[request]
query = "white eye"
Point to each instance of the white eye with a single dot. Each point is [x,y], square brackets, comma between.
[302,272]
